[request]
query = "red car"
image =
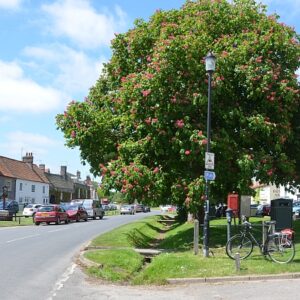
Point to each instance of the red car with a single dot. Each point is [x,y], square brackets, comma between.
[51,213]
[76,212]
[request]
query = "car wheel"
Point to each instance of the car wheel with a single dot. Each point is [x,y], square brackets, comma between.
[77,218]
[67,221]
[37,223]
[101,217]
[48,223]
[57,221]
[94,217]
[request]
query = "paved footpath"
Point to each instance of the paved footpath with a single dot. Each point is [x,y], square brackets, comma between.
[76,285]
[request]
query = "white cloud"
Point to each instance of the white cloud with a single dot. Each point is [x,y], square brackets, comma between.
[76,71]
[81,23]
[17,143]
[19,93]
[10,4]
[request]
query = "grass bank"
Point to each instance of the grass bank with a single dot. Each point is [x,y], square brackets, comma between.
[120,263]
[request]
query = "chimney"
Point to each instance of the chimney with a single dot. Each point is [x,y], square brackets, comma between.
[78,175]
[88,180]
[42,167]
[28,158]
[63,171]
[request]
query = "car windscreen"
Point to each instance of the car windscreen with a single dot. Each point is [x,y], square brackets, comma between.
[46,208]
[71,207]
[87,205]
[29,206]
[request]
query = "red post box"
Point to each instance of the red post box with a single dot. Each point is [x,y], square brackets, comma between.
[233,203]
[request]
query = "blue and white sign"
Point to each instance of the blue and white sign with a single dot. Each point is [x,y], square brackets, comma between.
[209,175]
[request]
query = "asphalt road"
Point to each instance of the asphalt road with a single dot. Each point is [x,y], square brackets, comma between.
[37,260]
[38,263]
[80,287]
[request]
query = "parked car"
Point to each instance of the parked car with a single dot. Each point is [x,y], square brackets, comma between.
[51,213]
[253,209]
[167,208]
[30,210]
[11,205]
[127,209]
[105,206]
[221,210]
[296,210]
[263,210]
[93,208]
[76,212]
[112,206]
[139,208]
[147,208]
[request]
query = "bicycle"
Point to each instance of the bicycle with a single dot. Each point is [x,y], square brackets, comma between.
[278,246]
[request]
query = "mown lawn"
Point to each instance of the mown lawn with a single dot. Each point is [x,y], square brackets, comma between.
[178,259]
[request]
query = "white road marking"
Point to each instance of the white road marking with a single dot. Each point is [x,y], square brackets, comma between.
[23,238]
[56,230]
[60,283]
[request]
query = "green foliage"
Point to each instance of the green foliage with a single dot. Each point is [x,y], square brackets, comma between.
[143,124]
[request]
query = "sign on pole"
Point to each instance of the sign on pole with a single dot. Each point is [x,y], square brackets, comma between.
[209,175]
[209,160]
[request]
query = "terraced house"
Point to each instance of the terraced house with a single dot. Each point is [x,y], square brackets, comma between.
[25,181]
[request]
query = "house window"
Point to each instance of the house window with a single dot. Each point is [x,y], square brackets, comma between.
[21,186]
[33,188]
[44,189]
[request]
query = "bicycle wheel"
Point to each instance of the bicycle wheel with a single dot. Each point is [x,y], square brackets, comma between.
[280,250]
[241,244]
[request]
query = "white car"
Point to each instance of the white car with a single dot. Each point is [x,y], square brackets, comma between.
[127,210]
[30,210]
[166,208]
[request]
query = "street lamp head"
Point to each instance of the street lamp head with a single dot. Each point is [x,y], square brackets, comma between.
[210,62]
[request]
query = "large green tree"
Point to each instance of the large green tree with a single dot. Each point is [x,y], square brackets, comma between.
[143,125]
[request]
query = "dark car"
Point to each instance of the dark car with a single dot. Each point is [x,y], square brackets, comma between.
[76,212]
[147,208]
[263,210]
[139,208]
[11,205]
[51,213]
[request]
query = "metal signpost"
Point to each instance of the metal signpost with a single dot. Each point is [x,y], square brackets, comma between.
[210,65]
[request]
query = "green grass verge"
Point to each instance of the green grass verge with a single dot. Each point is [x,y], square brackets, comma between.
[139,234]
[22,221]
[120,265]
[179,261]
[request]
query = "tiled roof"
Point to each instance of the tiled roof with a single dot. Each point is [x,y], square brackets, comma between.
[60,182]
[21,170]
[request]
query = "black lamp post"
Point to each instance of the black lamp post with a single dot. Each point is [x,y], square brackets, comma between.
[4,194]
[210,66]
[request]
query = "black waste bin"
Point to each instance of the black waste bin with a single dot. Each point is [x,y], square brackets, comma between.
[282,213]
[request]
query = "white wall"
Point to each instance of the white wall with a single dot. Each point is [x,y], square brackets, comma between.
[26,195]
[270,192]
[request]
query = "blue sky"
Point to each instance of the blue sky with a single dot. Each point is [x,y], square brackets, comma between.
[52,52]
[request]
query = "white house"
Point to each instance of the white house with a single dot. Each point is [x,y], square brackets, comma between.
[266,193]
[26,183]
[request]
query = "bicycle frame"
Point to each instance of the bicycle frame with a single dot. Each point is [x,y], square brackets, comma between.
[276,245]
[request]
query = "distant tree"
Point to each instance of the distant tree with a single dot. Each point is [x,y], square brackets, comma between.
[143,125]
